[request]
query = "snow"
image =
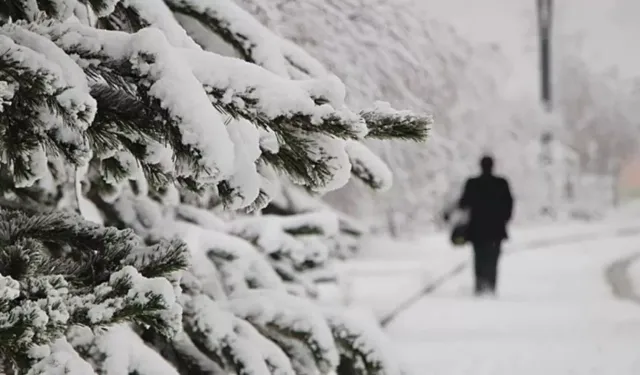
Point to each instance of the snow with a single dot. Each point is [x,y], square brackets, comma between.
[144,291]
[324,222]
[71,72]
[36,162]
[118,350]
[274,96]
[245,182]
[421,61]
[204,218]
[369,166]
[400,269]
[330,88]
[221,333]
[200,124]
[9,289]
[634,276]
[269,141]
[291,242]
[268,236]
[157,14]
[195,92]
[371,343]
[332,152]
[102,306]
[276,358]
[261,43]
[205,37]
[160,57]
[555,314]
[160,155]
[60,359]
[30,9]
[105,8]
[237,261]
[60,76]
[169,79]
[270,181]
[287,313]
[301,63]
[384,121]
[7,92]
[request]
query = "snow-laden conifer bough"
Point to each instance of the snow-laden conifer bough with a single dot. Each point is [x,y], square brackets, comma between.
[122,111]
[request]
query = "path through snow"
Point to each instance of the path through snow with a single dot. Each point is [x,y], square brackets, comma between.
[556,315]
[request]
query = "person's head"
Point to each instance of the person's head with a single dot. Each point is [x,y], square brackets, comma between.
[486,164]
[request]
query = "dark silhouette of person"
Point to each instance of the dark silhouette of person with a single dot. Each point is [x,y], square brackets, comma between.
[488,200]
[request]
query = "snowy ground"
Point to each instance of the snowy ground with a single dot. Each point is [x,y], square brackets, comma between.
[634,275]
[555,315]
[388,273]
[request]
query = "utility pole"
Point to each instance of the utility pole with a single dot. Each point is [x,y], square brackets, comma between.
[545,8]
[547,159]
[547,144]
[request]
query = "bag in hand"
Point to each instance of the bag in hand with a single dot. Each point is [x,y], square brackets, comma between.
[459,234]
[460,227]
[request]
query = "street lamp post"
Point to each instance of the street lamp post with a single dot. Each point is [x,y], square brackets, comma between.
[545,8]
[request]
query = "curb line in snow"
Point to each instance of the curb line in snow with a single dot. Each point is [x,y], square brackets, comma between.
[427,289]
[572,239]
[617,275]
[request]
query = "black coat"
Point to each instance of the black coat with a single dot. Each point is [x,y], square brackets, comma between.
[490,204]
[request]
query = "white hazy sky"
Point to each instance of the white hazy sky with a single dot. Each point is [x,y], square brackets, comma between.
[611,31]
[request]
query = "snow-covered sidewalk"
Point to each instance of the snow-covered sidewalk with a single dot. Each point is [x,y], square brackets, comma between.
[388,273]
[633,273]
[556,315]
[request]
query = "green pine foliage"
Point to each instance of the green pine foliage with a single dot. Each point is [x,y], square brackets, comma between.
[121,112]
[58,271]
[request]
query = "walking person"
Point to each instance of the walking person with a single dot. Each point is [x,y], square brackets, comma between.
[488,201]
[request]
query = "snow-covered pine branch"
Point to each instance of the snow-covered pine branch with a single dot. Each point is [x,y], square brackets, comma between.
[363,348]
[123,106]
[384,122]
[255,43]
[307,125]
[420,61]
[240,269]
[297,246]
[44,111]
[290,199]
[118,350]
[58,271]
[294,324]
[369,168]
[230,341]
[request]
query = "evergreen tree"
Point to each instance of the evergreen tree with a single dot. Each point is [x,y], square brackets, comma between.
[58,271]
[124,112]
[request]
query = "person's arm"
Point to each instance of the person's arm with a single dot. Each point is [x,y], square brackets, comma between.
[508,201]
[465,199]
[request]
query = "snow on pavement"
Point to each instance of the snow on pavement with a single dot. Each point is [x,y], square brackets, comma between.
[634,276]
[399,270]
[556,315]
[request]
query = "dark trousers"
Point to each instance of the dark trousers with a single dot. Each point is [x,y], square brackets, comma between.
[486,255]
